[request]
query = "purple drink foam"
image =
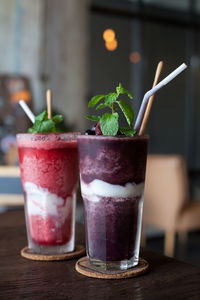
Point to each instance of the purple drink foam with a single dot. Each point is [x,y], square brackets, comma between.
[116,160]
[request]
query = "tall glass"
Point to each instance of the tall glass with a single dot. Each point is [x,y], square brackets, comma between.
[112,174]
[49,176]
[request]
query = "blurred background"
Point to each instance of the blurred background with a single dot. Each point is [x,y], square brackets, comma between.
[83,48]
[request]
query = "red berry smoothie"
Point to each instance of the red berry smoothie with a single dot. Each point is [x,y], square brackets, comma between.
[49,175]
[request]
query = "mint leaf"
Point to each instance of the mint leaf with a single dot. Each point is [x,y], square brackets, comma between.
[93,118]
[121,90]
[127,131]
[31,130]
[37,125]
[41,117]
[43,124]
[127,111]
[102,105]
[47,126]
[57,119]
[95,100]
[110,98]
[109,124]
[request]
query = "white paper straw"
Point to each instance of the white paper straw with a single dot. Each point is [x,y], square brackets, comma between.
[27,110]
[148,94]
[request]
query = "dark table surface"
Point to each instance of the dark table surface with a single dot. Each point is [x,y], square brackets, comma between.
[20,278]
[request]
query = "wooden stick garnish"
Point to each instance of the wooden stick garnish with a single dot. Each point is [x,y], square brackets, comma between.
[148,109]
[49,103]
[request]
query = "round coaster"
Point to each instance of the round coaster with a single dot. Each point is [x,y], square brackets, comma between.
[84,267]
[79,251]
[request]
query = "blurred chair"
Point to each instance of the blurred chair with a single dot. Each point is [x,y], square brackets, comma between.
[10,187]
[167,205]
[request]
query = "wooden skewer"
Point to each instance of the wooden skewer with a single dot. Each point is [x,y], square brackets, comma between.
[148,109]
[49,103]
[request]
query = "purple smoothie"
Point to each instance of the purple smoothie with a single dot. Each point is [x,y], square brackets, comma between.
[112,224]
[114,221]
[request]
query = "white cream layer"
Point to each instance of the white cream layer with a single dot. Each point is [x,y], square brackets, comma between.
[41,202]
[98,188]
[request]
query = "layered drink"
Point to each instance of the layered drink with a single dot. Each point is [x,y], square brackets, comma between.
[112,174]
[49,175]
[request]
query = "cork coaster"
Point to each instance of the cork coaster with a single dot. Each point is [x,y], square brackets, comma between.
[84,267]
[79,251]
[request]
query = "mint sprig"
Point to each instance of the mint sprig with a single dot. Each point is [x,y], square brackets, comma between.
[42,124]
[109,122]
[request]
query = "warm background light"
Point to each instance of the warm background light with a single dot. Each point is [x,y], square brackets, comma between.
[108,35]
[135,57]
[23,94]
[111,46]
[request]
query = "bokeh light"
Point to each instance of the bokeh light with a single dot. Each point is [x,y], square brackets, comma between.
[112,45]
[23,94]
[135,57]
[108,35]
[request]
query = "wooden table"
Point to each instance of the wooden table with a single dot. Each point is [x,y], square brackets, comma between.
[21,278]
